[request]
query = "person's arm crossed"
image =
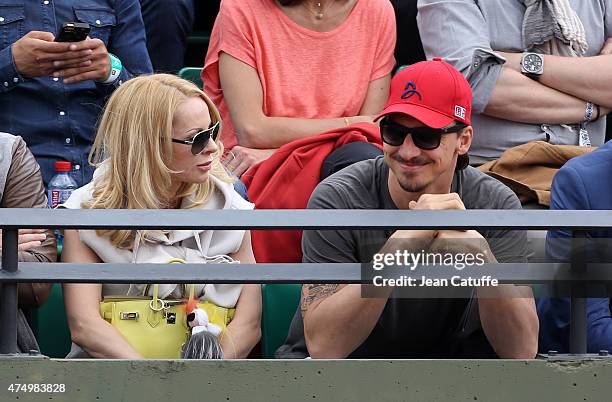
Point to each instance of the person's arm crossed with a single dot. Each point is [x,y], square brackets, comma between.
[500,89]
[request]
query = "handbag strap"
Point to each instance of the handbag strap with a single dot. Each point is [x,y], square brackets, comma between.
[156,286]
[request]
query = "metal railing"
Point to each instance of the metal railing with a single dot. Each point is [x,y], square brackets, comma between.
[14,272]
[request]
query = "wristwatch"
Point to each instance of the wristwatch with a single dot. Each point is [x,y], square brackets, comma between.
[532,65]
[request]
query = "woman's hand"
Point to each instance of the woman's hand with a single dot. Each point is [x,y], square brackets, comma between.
[28,238]
[240,159]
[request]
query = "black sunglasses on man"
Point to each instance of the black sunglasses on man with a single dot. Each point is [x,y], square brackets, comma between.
[425,138]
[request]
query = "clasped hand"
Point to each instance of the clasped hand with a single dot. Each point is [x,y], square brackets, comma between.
[444,241]
[36,55]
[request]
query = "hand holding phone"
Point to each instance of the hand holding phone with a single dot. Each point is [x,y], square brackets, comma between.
[73,32]
[36,52]
[95,65]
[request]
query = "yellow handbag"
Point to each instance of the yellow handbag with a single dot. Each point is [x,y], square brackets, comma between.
[154,327]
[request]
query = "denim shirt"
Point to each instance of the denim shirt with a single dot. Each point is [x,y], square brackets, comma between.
[58,121]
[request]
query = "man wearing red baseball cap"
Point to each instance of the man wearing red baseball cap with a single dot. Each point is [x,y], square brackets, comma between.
[426,132]
[428,100]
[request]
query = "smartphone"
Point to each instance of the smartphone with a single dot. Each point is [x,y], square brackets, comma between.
[73,32]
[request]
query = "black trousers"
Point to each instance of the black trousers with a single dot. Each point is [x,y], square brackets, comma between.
[346,155]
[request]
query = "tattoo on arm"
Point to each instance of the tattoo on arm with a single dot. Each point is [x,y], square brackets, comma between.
[312,293]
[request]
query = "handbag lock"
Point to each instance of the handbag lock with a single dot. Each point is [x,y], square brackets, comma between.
[130,315]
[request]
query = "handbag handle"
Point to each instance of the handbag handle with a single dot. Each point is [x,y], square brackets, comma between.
[155,301]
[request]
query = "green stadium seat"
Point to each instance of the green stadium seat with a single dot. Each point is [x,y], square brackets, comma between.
[50,325]
[192,74]
[280,302]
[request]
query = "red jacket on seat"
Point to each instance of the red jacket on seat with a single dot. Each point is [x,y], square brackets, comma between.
[287,179]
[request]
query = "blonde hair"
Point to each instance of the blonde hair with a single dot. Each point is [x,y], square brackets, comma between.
[133,144]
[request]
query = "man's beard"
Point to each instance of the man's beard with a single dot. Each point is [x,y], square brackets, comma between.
[411,184]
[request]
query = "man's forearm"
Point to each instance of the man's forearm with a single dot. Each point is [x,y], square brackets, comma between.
[587,78]
[509,320]
[521,99]
[341,323]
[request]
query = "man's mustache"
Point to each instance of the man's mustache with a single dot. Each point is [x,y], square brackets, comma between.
[417,160]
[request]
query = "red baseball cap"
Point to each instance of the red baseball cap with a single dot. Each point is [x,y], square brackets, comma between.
[433,92]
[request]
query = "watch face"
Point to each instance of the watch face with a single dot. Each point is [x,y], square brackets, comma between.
[532,63]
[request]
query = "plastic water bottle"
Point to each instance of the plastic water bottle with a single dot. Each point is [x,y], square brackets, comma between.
[60,187]
[62,184]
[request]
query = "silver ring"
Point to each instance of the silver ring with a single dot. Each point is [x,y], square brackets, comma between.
[161,302]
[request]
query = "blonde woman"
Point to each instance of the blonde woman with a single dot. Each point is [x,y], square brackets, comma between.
[158,147]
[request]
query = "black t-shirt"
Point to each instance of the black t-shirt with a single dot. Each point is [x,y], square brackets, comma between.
[407,328]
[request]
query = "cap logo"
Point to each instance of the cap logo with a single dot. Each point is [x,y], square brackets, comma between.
[410,90]
[460,112]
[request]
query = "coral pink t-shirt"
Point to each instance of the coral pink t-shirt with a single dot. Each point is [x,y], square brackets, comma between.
[303,73]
